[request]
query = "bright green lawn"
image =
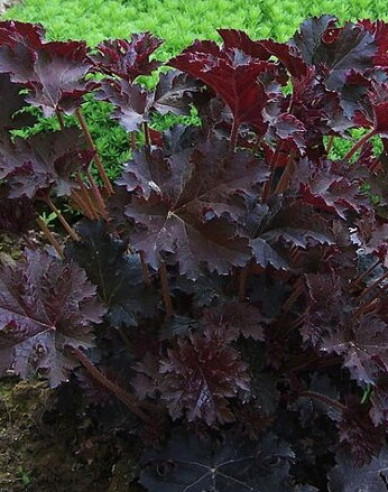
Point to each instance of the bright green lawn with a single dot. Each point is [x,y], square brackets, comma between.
[179,22]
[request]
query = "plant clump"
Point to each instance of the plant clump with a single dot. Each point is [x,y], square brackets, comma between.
[229,288]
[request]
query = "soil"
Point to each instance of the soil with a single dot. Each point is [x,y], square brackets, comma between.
[48,447]
[49,442]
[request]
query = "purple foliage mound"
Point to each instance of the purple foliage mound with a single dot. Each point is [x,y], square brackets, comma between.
[229,291]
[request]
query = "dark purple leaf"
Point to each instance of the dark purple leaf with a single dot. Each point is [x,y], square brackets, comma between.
[42,161]
[116,274]
[199,376]
[45,307]
[186,204]
[174,93]
[347,477]
[12,101]
[237,318]
[17,215]
[332,186]
[130,100]
[335,51]
[364,347]
[52,72]
[236,76]
[127,59]
[188,464]
[357,432]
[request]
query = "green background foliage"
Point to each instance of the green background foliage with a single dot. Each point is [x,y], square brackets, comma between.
[178,22]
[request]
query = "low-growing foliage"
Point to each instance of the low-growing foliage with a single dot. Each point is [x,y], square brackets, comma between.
[229,288]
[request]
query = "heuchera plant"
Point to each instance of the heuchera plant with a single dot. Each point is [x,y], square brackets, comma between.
[230,288]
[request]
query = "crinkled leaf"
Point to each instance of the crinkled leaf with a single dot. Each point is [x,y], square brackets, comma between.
[187,464]
[52,72]
[364,348]
[233,74]
[131,102]
[288,130]
[12,101]
[379,30]
[177,326]
[335,51]
[174,93]
[43,161]
[237,318]
[45,307]
[199,376]
[116,273]
[331,186]
[347,477]
[357,432]
[127,59]
[187,204]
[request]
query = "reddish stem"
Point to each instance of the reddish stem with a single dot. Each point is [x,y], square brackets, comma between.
[268,185]
[96,193]
[62,220]
[374,285]
[330,143]
[284,178]
[133,141]
[50,237]
[324,399]
[366,273]
[146,135]
[359,144]
[144,270]
[96,157]
[60,120]
[243,281]
[128,400]
[234,135]
[165,289]
[85,197]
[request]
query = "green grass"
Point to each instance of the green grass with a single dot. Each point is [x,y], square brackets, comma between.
[178,22]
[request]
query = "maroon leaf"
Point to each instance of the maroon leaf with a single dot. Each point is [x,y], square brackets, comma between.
[288,55]
[374,112]
[45,308]
[199,375]
[346,476]
[332,186]
[363,346]
[335,51]
[127,59]
[13,32]
[12,101]
[235,75]
[53,72]
[187,204]
[42,161]
[174,93]
[379,30]
[359,434]
[131,102]
[236,318]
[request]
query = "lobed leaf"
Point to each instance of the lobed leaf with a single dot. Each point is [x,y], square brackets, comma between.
[46,307]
